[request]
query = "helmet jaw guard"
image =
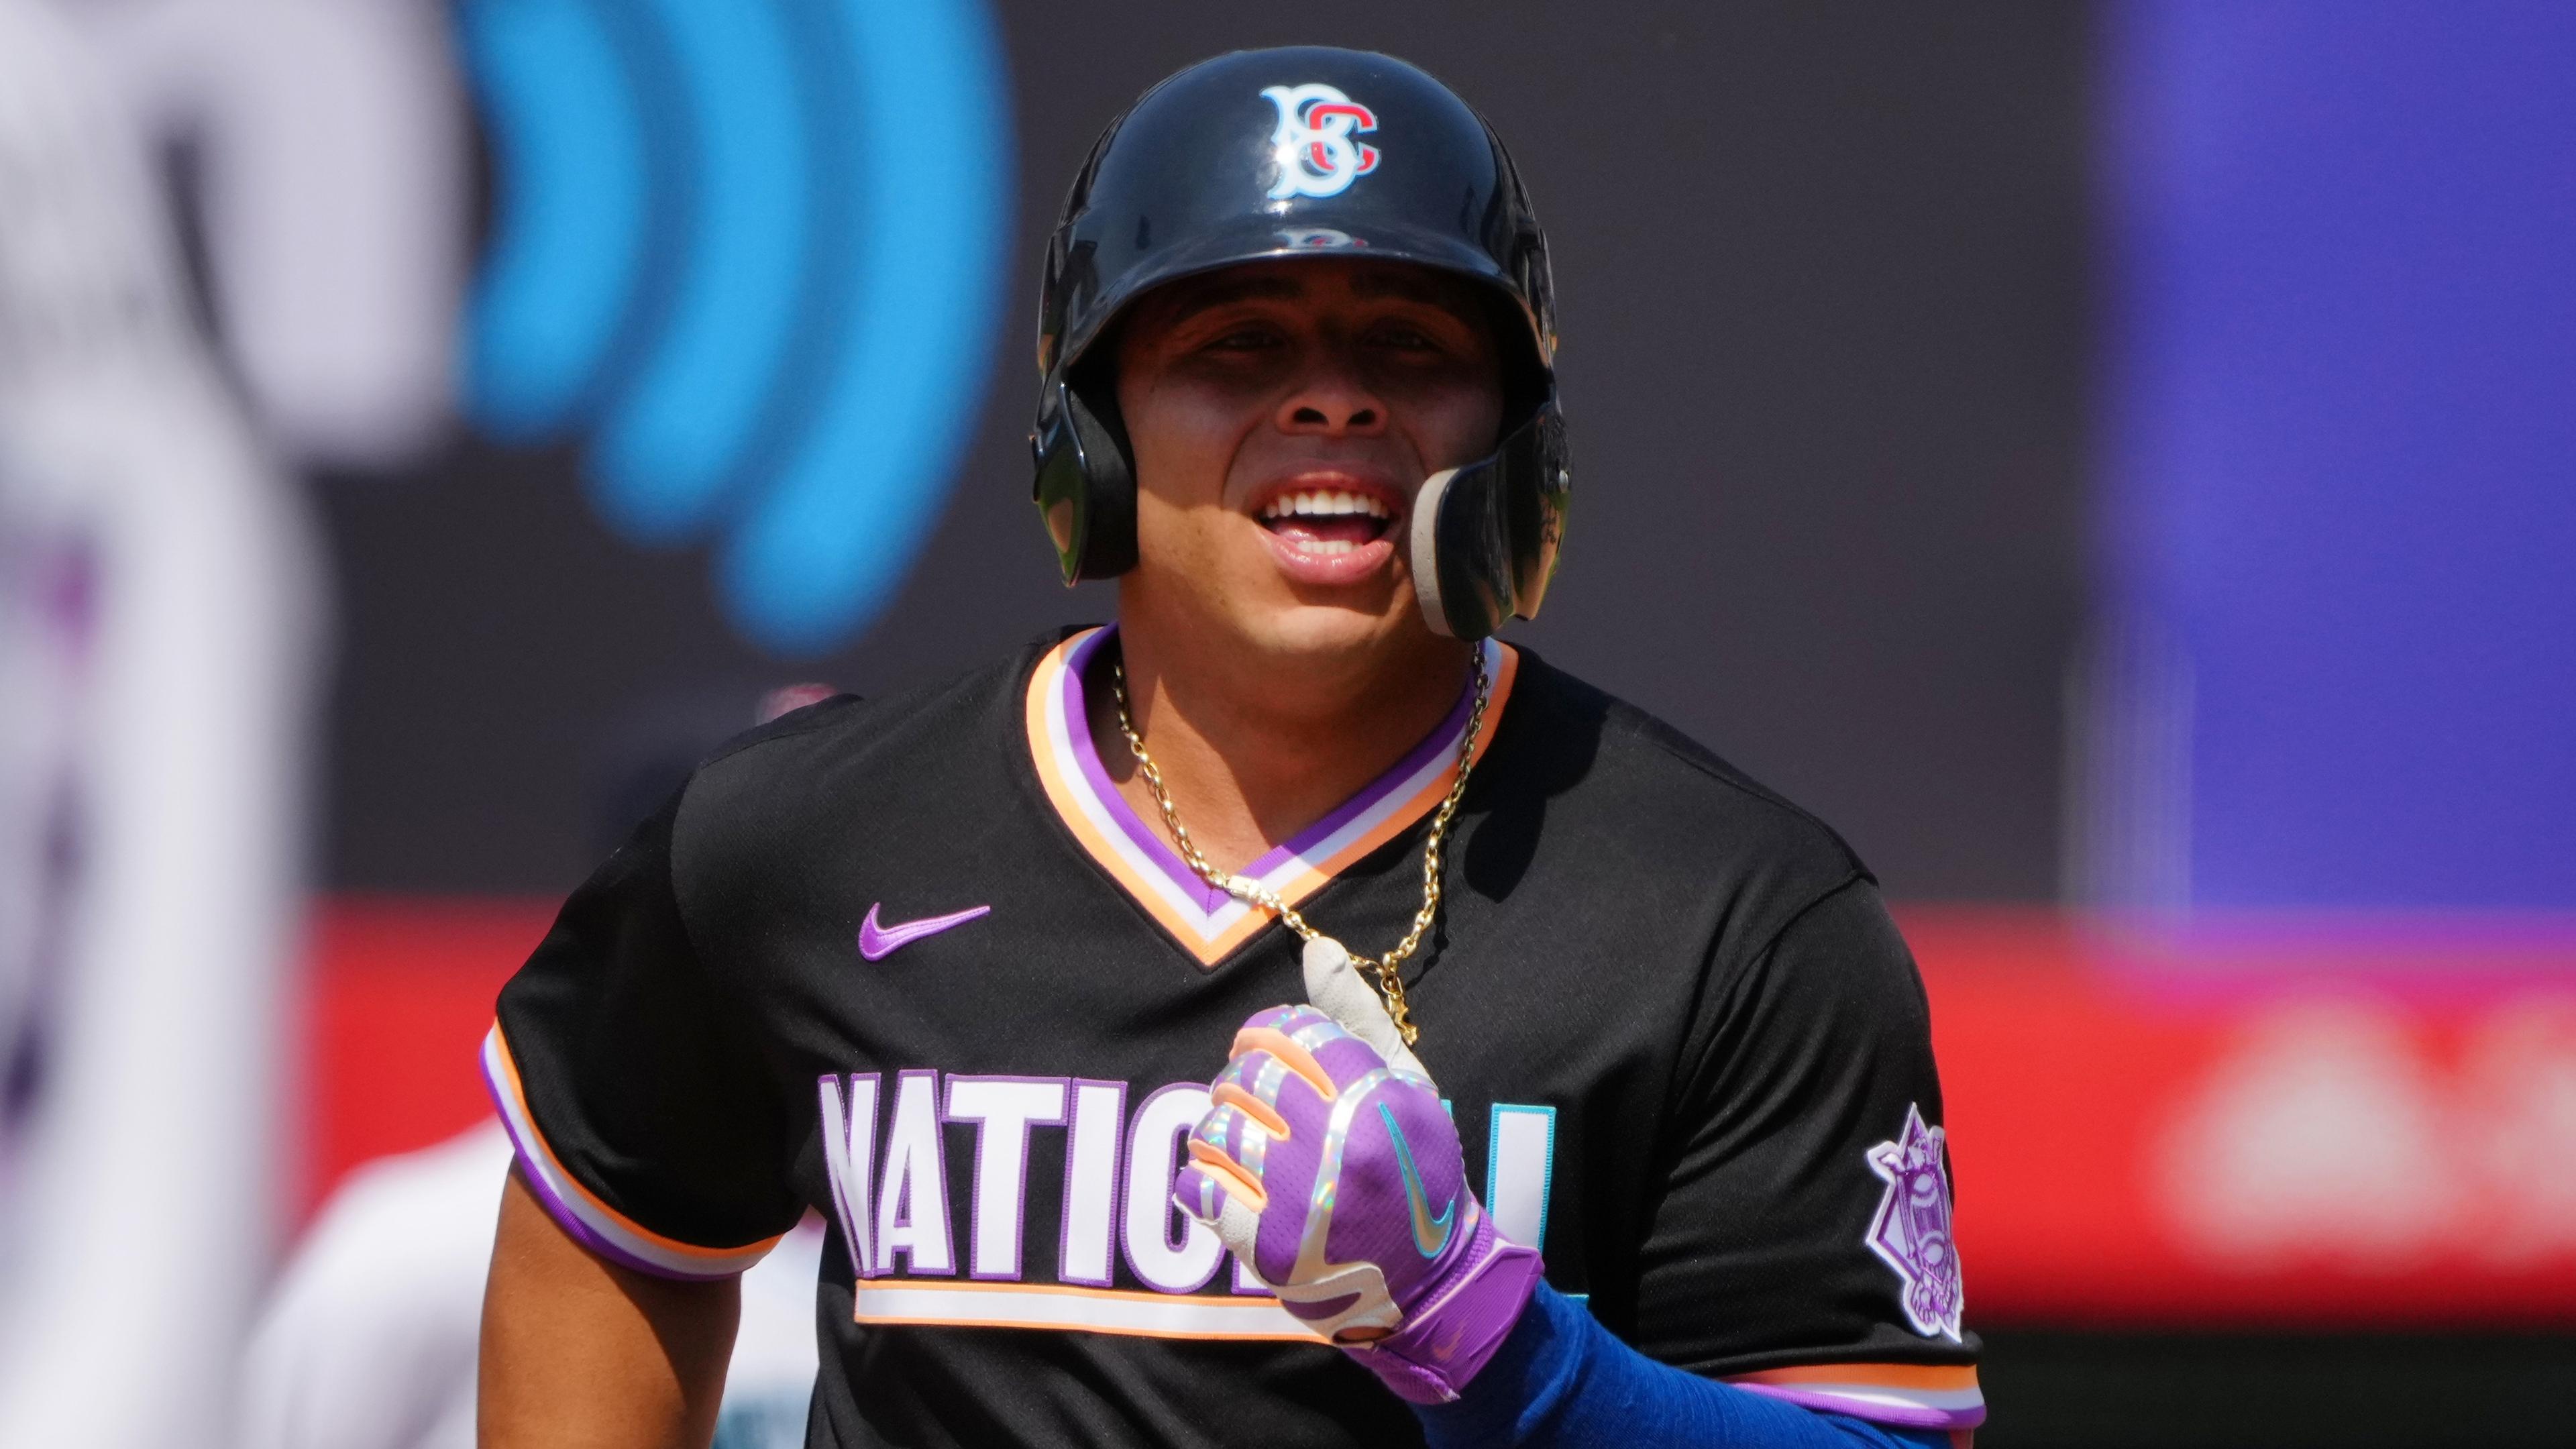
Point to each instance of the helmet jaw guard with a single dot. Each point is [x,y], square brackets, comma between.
[1484,537]
[1190,180]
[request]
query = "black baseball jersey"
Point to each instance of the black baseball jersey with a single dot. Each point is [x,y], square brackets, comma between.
[915,964]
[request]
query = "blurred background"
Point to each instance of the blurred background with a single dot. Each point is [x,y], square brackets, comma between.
[2117,462]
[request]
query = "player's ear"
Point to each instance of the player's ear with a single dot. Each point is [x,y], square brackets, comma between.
[1334,987]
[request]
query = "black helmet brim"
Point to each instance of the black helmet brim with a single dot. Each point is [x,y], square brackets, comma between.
[1271,240]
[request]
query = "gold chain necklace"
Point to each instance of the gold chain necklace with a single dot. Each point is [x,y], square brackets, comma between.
[1381,969]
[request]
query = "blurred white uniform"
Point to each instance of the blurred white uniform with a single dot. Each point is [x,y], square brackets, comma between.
[158,628]
[370,1342]
[334,144]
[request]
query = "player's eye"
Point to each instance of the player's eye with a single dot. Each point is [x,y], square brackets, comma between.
[1250,337]
[1405,337]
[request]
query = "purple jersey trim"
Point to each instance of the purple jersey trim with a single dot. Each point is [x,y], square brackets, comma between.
[534,1158]
[1209,899]
[562,1212]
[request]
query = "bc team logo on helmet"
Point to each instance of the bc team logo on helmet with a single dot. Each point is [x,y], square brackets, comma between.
[1312,144]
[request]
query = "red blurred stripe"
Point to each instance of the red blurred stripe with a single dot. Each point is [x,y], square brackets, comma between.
[2067,1079]
[399,998]
[2069,1071]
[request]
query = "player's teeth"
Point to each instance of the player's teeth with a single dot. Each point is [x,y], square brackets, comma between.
[1316,504]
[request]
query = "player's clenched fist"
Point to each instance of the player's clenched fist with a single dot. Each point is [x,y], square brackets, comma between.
[1337,1179]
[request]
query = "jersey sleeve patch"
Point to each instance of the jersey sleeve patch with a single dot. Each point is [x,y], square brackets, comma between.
[580,1212]
[1910,1232]
[1910,1396]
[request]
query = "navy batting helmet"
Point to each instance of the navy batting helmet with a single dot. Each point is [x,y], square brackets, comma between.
[1306,151]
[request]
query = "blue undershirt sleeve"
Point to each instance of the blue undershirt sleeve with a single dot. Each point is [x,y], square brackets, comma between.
[1562,1381]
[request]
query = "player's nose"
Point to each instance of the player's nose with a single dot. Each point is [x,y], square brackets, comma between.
[1330,398]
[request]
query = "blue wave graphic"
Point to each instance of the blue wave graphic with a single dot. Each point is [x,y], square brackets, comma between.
[751,249]
[668,446]
[567,246]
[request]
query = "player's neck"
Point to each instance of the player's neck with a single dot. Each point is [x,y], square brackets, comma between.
[1256,747]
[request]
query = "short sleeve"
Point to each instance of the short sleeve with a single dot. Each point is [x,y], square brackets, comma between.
[633,1084]
[1802,1247]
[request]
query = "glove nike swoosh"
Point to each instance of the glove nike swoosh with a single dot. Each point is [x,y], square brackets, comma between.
[1424,1223]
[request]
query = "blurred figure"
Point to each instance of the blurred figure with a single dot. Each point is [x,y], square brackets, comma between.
[333,168]
[370,1339]
[158,608]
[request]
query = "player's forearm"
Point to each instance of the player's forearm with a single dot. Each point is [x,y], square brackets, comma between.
[579,1352]
[1562,1381]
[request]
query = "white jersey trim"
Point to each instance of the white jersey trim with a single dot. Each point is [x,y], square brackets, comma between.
[1082,1310]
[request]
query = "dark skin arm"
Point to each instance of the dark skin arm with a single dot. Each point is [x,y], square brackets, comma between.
[579,1353]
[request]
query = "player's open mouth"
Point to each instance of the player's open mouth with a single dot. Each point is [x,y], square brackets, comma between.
[1327,522]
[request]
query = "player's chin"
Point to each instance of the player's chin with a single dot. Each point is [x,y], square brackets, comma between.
[1319,623]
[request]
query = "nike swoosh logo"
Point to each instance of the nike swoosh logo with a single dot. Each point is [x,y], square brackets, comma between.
[878,942]
[1430,1234]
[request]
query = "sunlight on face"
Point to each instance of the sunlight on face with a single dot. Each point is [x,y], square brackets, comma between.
[1283,415]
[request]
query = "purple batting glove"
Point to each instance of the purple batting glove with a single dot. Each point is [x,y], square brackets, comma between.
[1339,1182]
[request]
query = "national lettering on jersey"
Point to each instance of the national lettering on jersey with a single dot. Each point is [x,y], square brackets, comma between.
[885,1158]
[1313,146]
[885,1162]
[916,965]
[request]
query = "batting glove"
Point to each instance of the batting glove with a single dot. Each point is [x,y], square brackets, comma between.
[1329,1166]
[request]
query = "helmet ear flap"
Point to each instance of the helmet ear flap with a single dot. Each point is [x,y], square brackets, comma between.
[1086,485]
[1485,536]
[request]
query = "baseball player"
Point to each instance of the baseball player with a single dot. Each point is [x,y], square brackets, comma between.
[1290,1015]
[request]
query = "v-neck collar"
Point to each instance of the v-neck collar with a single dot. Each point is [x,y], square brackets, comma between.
[1207,922]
